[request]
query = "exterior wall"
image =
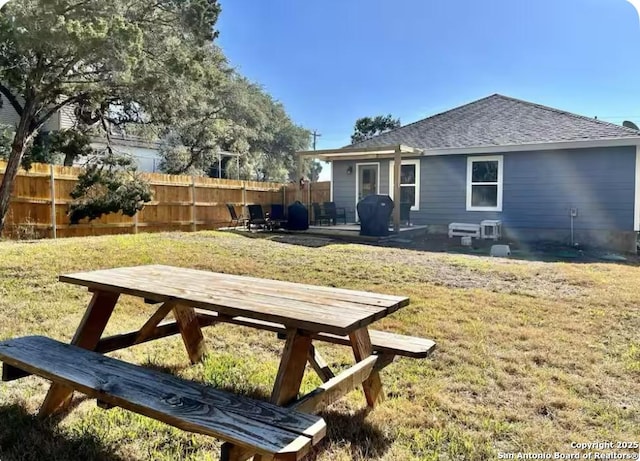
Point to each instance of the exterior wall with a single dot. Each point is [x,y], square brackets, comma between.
[539,189]
[147,158]
[66,118]
[62,119]
[344,185]
[8,115]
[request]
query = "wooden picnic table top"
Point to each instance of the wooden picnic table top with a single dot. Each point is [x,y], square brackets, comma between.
[306,307]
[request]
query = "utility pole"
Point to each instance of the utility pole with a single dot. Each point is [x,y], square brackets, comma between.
[315,135]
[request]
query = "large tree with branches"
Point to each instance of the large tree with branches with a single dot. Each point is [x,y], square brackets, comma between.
[116,62]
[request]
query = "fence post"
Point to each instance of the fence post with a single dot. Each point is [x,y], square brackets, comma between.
[193,204]
[52,180]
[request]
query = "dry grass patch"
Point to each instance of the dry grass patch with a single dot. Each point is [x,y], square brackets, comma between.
[531,355]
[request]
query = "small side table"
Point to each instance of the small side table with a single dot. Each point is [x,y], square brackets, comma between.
[491,229]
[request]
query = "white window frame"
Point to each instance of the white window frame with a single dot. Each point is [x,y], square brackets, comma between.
[499,183]
[413,161]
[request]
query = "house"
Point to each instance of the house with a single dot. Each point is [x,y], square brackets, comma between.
[145,152]
[546,174]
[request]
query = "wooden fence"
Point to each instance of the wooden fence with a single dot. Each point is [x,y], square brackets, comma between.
[180,203]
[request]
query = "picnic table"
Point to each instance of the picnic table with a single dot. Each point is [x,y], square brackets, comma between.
[284,428]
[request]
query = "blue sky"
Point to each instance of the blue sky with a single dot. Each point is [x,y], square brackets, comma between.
[332,61]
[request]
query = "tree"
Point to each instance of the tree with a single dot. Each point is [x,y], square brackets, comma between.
[118,62]
[108,186]
[239,117]
[368,127]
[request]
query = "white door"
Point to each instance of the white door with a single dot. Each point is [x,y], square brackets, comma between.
[367,181]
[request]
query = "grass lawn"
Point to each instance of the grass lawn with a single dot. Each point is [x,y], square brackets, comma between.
[531,356]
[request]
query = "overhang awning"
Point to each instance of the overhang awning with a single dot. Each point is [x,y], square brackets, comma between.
[393,152]
[360,153]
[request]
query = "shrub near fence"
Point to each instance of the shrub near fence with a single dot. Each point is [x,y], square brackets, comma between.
[180,203]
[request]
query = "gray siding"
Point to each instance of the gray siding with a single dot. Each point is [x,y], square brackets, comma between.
[540,187]
[344,188]
[65,118]
[8,116]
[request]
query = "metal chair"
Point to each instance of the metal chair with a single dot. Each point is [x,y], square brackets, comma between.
[319,215]
[334,213]
[257,218]
[276,215]
[239,221]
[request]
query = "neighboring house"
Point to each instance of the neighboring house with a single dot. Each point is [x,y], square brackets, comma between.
[502,158]
[145,152]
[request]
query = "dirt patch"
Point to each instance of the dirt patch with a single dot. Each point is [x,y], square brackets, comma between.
[400,265]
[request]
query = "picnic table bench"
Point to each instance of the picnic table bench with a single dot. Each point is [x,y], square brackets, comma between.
[285,427]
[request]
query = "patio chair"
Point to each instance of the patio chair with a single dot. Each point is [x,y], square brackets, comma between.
[235,220]
[334,213]
[277,214]
[319,215]
[256,217]
[405,214]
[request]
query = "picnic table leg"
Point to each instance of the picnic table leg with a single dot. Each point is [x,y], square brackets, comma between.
[372,386]
[319,365]
[190,331]
[87,336]
[286,387]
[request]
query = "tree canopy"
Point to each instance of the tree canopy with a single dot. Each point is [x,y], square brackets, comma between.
[241,118]
[368,127]
[141,67]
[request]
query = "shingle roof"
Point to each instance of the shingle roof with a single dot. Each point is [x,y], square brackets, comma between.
[497,121]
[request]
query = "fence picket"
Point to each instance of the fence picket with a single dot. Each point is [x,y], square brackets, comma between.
[179,203]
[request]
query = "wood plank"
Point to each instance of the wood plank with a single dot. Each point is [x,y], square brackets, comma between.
[287,383]
[383,342]
[308,317]
[337,387]
[362,348]
[291,369]
[150,325]
[266,428]
[86,336]
[319,365]
[121,341]
[390,343]
[190,331]
[258,293]
[336,293]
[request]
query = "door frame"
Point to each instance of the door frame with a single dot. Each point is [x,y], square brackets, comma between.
[358,165]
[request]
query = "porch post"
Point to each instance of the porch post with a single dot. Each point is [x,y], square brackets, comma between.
[299,175]
[397,159]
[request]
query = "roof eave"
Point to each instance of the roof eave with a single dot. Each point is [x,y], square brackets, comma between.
[381,152]
[554,145]
[349,153]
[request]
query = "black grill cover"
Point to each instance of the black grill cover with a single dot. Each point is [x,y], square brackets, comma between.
[374,212]
[298,217]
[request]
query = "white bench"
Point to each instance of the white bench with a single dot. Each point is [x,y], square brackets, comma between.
[461,229]
[491,229]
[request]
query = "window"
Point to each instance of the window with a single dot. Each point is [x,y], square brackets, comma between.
[409,182]
[484,183]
